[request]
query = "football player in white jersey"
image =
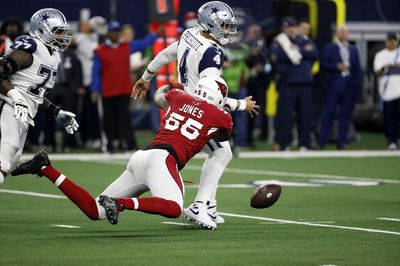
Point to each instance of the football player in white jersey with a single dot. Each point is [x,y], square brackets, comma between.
[25,75]
[199,54]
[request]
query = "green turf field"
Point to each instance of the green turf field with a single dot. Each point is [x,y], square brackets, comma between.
[322,225]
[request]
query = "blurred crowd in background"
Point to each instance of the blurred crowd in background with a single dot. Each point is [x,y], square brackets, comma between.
[96,85]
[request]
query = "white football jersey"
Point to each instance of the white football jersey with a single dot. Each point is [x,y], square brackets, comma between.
[34,80]
[195,54]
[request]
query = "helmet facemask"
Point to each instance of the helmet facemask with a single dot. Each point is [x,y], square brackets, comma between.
[60,37]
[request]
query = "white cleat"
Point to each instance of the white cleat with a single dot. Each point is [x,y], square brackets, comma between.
[197,212]
[213,214]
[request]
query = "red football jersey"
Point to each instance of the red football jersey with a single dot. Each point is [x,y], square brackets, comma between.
[189,123]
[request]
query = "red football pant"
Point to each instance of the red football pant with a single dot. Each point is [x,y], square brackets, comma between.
[152,205]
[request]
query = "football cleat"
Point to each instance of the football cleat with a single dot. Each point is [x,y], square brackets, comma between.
[110,204]
[213,214]
[32,166]
[197,213]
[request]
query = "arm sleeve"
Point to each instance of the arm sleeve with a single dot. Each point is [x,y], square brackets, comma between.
[96,74]
[310,55]
[164,57]
[140,45]
[378,64]
[327,62]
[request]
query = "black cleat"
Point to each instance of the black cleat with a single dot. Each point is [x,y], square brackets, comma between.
[110,204]
[32,166]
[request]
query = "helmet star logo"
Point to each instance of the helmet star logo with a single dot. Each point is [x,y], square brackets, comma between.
[214,9]
[45,17]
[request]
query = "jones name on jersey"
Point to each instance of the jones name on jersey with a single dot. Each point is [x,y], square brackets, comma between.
[195,54]
[34,80]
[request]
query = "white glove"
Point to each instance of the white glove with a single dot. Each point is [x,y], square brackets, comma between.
[68,120]
[20,105]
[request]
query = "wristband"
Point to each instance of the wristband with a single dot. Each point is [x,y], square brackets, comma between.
[147,75]
[242,105]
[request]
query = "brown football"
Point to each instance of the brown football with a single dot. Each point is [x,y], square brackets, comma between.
[265,196]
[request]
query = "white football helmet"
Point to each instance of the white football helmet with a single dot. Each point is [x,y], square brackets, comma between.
[217,18]
[212,89]
[50,26]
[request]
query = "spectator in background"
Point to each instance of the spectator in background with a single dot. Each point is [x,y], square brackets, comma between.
[294,56]
[341,62]
[236,74]
[10,29]
[387,67]
[260,67]
[112,80]
[86,41]
[67,87]
[137,62]
[190,19]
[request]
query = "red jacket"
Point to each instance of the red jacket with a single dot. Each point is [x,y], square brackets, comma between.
[115,70]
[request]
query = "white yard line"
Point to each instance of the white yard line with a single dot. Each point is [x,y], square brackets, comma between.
[66,226]
[234,215]
[309,224]
[389,219]
[243,154]
[173,223]
[42,195]
[279,173]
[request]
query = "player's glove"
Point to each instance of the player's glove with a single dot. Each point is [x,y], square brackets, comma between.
[68,120]
[20,105]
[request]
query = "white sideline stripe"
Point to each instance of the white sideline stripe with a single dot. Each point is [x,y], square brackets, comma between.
[243,154]
[389,219]
[230,215]
[310,224]
[280,173]
[66,226]
[42,195]
[174,223]
[294,174]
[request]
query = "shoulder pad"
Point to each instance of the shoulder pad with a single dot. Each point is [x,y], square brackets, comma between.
[25,43]
[212,57]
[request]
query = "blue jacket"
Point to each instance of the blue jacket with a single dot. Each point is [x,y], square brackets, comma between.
[289,73]
[335,81]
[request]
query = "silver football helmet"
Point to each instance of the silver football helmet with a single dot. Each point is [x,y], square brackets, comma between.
[217,18]
[50,26]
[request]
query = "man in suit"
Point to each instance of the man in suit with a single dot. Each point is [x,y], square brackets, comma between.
[344,80]
[294,81]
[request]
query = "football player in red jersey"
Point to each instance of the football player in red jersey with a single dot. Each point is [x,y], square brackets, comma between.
[189,123]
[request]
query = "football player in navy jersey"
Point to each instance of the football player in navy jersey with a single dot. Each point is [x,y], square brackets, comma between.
[199,53]
[25,75]
[189,123]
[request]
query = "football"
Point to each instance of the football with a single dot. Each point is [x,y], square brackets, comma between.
[265,196]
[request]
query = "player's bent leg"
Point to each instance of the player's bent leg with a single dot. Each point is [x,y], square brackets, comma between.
[157,170]
[40,165]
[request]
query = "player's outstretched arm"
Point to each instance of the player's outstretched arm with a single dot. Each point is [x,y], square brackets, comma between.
[9,65]
[247,104]
[167,55]
[67,119]
[159,96]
